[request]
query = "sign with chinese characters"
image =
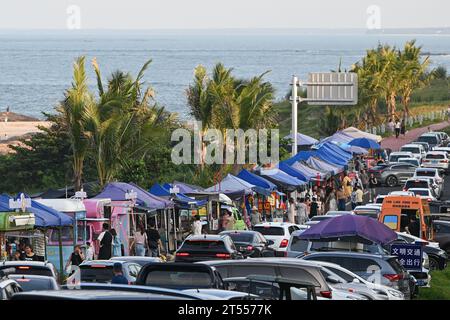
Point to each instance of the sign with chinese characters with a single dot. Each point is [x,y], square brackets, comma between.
[409,255]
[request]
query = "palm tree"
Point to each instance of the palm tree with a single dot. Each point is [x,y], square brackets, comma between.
[412,72]
[77,100]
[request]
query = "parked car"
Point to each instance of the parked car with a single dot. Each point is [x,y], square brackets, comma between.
[412,161]
[142,261]
[337,213]
[251,243]
[443,149]
[273,287]
[351,281]
[394,156]
[385,270]
[226,295]
[432,139]
[181,276]
[393,174]
[401,194]
[436,159]
[442,234]
[92,295]
[436,256]
[207,247]
[278,232]
[423,193]
[425,145]
[288,268]
[368,211]
[444,137]
[37,268]
[379,199]
[33,282]
[416,149]
[102,271]
[8,286]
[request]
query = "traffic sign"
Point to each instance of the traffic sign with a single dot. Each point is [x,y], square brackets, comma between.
[409,255]
[332,88]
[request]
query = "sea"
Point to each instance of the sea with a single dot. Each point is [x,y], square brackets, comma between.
[36,66]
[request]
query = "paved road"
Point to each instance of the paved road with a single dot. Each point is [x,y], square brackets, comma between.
[395,144]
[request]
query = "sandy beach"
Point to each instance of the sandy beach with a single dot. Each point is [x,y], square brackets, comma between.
[12,131]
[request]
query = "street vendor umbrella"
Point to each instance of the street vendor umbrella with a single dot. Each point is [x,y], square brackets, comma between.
[365,143]
[350,226]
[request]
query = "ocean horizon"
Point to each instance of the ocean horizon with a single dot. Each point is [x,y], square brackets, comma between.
[36,65]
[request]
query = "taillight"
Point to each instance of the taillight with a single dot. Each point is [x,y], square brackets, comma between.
[249,248]
[284,243]
[23,268]
[444,161]
[429,199]
[326,294]
[223,255]
[393,277]
[182,254]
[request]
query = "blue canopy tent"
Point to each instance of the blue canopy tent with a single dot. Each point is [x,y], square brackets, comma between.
[182,200]
[324,166]
[337,150]
[365,143]
[331,157]
[116,192]
[294,172]
[339,136]
[256,180]
[301,156]
[352,149]
[232,184]
[184,187]
[282,179]
[310,173]
[303,139]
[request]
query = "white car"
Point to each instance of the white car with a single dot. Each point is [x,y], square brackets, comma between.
[429,173]
[279,233]
[401,193]
[395,156]
[379,199]
[376,291]
[423,193]
[436,159]
[443,149]
[417,150]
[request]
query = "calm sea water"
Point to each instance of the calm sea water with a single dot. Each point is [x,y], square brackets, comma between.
[35,67]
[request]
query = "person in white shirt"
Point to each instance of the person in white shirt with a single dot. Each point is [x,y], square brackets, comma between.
[197,226]
[89,252]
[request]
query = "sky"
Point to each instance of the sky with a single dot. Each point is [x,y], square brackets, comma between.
[220,14]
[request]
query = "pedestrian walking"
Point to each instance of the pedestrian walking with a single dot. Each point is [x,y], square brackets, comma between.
[353,198]
[118,277]
[140,242]
[397,129]
[364,179]
[359,196]
[75,259]
[116,244]
[291,211]
[391,125]
[197,226]
[154,239]
[341,198]
[302,211]
[347,185]
[314,208]
[373,182]
[105,238]
[255,217]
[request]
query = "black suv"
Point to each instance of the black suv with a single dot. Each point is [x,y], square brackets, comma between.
[207,247]
[251,243]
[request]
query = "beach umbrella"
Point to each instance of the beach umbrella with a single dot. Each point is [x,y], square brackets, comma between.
[352,227]
[365,143]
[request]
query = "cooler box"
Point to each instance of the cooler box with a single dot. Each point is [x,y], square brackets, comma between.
[16,221]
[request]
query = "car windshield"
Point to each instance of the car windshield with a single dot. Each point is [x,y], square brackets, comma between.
[429,139]
[299,245]
[421,192]
[241,237]
[425,173]
[94,273]
[31,270]
[269,230]
[416,184]
[435,156]
[343,246]
[410,149]
[176,279]
[34,284]
[203,245]
[394,158]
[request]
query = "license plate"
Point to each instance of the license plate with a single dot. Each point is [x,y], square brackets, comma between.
[434,162]
[421,283]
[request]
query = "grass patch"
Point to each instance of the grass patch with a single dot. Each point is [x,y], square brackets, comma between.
[440,286]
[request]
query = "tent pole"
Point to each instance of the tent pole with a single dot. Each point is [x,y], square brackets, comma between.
[61,262]
[167,231]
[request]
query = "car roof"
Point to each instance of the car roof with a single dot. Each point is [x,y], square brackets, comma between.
[427,169]
[429,134]
[437,152]
[411,145]
[275,224]
[223,294]
[30,276]
[399,153]
[419,189]
[104,262]
[212,237]
[135,258]
[92,295]
[351,254]
[239,231]
[269,261]
[27,263]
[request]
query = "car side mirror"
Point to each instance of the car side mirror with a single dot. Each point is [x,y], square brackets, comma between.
[356,280]
[333,279]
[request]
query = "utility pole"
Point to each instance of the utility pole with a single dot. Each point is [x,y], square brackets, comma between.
[295,100]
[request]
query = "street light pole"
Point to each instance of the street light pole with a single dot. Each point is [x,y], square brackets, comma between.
[294,99]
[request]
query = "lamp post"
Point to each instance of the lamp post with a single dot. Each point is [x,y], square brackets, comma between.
[174,190]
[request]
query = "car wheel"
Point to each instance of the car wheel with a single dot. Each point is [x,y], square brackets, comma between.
[433,263]
[391,181]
